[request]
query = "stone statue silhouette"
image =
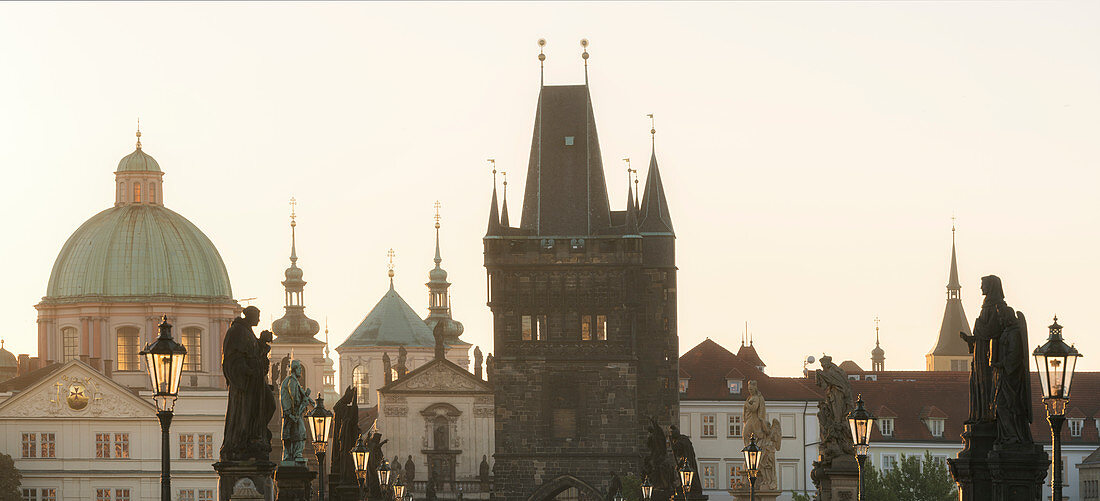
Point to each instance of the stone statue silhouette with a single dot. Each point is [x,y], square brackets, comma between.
[659,467]
[440,341]
[981,345]
[490,366]
[769,436]
[387,369]
[295,400]
[832,416]
[684,452]
[374,444]
[477,362]
[410,471]
[483,470]
[1007,330]
[345,434]
[251,402]
[402,361]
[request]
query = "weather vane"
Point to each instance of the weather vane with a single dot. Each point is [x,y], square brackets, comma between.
[652,124]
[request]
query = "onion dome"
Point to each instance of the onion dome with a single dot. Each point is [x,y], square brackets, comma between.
[295,326]
[439,300]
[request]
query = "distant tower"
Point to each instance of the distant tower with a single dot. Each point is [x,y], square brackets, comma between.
[580,294]
[951,353]
[878,355]
[439,301]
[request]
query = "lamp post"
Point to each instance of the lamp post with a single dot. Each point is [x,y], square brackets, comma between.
[383,475]
[686,475]
[752,459]
[320,426]
[860,421]
[1056,361]
[399,489]
[647,489]
[164,362]
[360,455]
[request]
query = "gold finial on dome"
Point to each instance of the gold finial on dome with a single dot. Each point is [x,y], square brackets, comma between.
[139,134]
[293,214]
[437,214]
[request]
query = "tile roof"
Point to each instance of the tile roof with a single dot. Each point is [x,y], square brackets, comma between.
[748,354]
[709,364]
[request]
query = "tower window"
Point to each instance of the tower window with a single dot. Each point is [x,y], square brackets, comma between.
[533,328]
[594,330]
[569,140]
[137,193]
[128,344]
[601,327]
[361,381]
[152,193]
[70,344]
[192,340]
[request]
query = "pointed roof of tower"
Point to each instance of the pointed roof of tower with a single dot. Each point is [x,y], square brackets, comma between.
[504,205]
[949,343]
[565,193]
[655,216]
[877,353]
[494,216]
[392,322]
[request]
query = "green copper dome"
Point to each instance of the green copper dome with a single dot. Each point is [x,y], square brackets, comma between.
[137,252]
[138,161]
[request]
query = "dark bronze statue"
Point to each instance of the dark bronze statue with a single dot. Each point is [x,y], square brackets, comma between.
[1008,358]
[981,344]
[251,402]
[440,341]
[659,467]
[483,470]
[345,434]
[685,454]
[477,362]
[374,445]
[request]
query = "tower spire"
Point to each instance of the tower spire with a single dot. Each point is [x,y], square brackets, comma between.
[139,133]
[953,286]
[950,351]
[584,55]
[438,259]
[326,337]
[878,355]
[494,216]
[504,205]
[542,59]
[293,239]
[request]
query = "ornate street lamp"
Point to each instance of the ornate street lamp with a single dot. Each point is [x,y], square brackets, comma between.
[360,455]
[164,362]
[860,421]
[399,489]
[752,459]
[686,475]
[647,489]
[320,427]
[383,475]
[1056,361]
[619,496]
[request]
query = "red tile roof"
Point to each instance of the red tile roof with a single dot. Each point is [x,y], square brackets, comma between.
[709,365]
[748,354]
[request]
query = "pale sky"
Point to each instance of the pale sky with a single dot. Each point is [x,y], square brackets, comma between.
[813,153]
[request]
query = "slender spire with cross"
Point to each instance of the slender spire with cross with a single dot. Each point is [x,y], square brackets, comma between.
[584,55]
[876,330]
[438,259]
[542,59]
[504,204]
[652,130]
[139,133]
[293,236]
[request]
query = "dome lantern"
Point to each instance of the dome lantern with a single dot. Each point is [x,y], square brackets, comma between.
[138,178]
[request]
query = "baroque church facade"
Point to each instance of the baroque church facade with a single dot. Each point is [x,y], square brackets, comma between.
[584,314]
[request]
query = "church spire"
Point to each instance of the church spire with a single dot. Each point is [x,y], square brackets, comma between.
[294,326]
[439,300]
[631,209]
[950,351]
[504,205]
[655,216]
[878,355]
[389,267]
[494,216]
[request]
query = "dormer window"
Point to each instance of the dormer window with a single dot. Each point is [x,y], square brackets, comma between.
[935,426]
[683,385]
[734,386]
[1075,426]
[853,377]
[886,426]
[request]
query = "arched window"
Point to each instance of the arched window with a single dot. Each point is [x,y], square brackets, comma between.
[361,381]
[70,344]
[152,193]
[192,340]
[121,192]
[137,192]
[129,344]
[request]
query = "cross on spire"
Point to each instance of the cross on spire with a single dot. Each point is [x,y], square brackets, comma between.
[139,133]
[437,214]
[389,267]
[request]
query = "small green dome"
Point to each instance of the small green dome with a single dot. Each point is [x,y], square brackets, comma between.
[7,359]
[135,252]
[138,161]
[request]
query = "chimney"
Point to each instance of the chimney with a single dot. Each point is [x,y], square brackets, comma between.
[96,363]
[84,358]
[35,364]
[108,367]
[24,365]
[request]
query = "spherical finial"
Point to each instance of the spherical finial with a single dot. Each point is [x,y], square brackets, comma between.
[584,45]
[389,254]
[542,57]
[542,42]
[139,134]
